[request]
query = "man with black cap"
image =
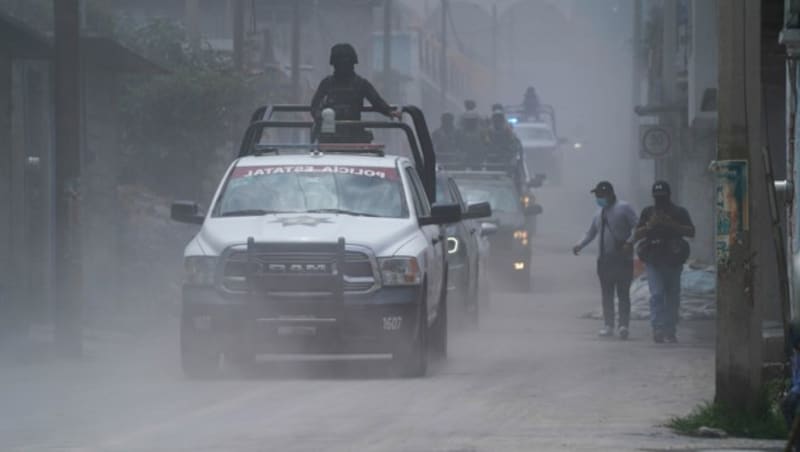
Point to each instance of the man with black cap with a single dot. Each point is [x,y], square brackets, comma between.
[661,229]
[345,91]
[614,222]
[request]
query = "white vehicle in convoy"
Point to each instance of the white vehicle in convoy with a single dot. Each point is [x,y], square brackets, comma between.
[331,250]
[540,141]
[541,147]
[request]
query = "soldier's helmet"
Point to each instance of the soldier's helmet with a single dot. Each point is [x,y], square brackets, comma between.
[343,54]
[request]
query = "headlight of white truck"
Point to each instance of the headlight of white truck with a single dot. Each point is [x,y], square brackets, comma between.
[400,271]
[200,270]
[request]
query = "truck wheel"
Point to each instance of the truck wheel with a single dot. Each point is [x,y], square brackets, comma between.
[523,283]
[473,309]
[410,360]
[199,355]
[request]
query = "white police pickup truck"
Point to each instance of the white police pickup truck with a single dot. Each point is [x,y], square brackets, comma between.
[334,250]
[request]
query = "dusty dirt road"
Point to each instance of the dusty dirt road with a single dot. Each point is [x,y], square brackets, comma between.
[533,378]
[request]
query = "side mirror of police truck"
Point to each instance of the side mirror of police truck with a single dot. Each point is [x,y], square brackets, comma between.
[442,214]
[533,210]
[479,210]
[537,181]
[488,229]
[186,212]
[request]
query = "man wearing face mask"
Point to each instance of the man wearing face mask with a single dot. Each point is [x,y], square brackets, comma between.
[661,230]
[614,222]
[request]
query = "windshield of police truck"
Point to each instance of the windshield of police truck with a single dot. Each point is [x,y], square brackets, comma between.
[502,197]
[348,190]
[533,133]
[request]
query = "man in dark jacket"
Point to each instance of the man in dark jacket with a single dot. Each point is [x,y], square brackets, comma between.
[345,91]
[662,228]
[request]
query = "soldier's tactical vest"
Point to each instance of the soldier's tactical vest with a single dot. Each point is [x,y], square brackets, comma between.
[346,99]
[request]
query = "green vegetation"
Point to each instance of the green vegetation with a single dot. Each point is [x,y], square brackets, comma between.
[765,423]
[183,126]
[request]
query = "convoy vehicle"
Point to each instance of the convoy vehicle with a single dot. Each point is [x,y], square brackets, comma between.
[510,245]
[467,251]
[540,141]
[319,249]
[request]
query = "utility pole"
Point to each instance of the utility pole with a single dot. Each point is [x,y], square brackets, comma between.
[296,51]
[669,41]
[238,34]
[494,50]
[636,97]
[739,334]
[443,58]
[790,37]
[192,12]
[69,273]
[387,48]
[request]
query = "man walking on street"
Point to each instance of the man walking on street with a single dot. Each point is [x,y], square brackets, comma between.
[661,230]
[614,222]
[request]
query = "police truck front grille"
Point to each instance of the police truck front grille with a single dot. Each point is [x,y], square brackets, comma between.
[287,272]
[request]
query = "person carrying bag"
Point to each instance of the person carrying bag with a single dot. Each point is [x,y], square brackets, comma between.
[660,232]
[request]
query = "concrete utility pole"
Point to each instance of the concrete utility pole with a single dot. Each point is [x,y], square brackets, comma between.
[739,330]
[494,51]
[296,51]
[387,48]
[443,58]
[636,98]
[669,41]
[67,311]
[790,37]
[192,12]
[238,34]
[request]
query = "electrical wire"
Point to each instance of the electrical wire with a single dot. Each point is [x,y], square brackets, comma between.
[449,13]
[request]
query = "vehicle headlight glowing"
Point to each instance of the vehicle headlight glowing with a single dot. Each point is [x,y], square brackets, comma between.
[513,120]
[521,235]
[452,245]
[200,270]
[400,271]
[519,265]
[528,200]
[578,145]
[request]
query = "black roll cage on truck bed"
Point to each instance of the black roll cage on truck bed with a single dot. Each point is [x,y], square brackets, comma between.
[418,136]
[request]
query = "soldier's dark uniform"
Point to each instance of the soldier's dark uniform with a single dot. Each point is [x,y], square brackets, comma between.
[503,142]
[445,138]
[345,91]
[504,146]
[471,140]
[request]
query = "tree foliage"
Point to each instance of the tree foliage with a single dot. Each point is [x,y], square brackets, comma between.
[180,126]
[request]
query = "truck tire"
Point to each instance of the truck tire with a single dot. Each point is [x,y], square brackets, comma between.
[523,282]
[473,309]
[200,358]
[439,329]
[410,360]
